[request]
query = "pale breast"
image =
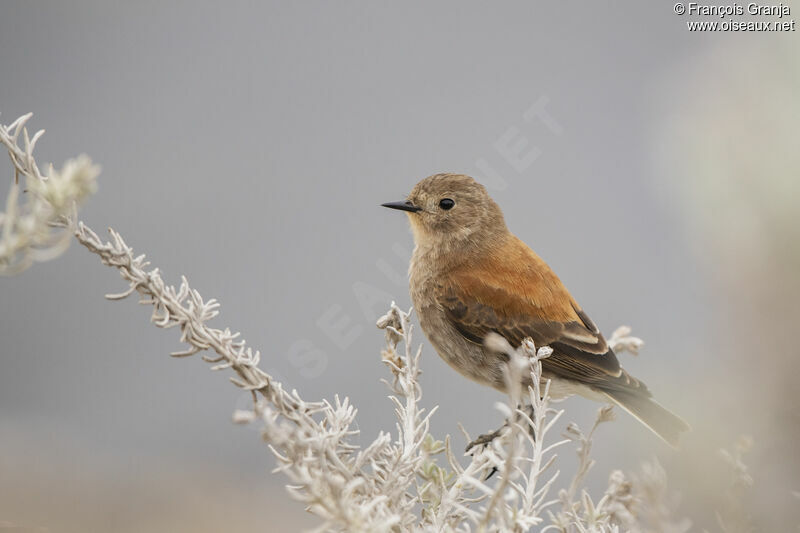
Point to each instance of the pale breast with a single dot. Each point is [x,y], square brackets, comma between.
[468,358]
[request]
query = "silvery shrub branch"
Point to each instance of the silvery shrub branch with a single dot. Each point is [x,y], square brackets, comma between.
[402,481]
[35,230]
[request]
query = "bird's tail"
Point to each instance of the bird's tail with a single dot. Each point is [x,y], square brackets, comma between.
[658,419]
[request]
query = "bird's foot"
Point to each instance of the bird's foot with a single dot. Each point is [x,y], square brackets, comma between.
[485,439]
[488,438]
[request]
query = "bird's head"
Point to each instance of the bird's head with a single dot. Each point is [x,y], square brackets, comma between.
[451,210]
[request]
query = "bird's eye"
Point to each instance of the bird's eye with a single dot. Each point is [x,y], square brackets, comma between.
[446,203]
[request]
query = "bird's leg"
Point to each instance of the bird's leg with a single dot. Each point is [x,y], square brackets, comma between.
[484,440]
[487,438]
[530,412]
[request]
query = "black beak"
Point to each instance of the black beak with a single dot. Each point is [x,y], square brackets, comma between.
[402,206]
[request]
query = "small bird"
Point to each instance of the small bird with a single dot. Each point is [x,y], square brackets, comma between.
[470,276]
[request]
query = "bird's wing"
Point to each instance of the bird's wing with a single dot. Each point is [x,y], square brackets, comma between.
[519,300]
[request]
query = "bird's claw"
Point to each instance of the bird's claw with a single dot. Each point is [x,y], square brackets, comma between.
[484,439]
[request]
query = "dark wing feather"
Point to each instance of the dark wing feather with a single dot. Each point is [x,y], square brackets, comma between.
[580,352]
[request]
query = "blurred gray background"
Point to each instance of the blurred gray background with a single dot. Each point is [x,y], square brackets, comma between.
[248,146]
